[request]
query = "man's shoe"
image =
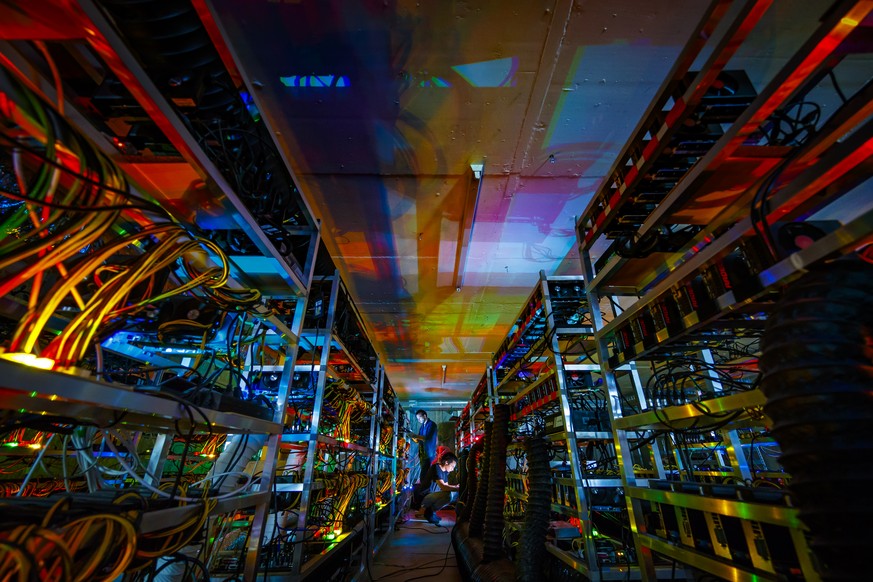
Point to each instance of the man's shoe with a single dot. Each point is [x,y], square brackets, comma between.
[431,517]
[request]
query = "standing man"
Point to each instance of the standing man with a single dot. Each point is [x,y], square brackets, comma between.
[440,493]
[426,439]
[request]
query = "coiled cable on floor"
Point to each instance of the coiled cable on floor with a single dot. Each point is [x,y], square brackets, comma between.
[477,517]
[532,545]
[816,361]
[493,535]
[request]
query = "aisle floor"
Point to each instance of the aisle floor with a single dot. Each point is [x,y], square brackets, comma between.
[418,549]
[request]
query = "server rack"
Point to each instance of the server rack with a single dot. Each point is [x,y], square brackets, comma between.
[711,290]
[347,448]
[143,408]
[476,412]
[547,372]
[112,89]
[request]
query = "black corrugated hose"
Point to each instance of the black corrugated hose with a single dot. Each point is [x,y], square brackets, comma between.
[817,375]
[477,517]
[493,536]
[175,47]
[462,479]
[532,545]
[470,491]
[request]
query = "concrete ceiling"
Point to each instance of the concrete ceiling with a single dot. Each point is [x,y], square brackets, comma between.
[382,106]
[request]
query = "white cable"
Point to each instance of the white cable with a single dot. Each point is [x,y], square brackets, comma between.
[161,493]
[84,459]
[36,464]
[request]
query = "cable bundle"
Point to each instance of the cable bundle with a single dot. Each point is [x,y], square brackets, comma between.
[81,242]
[41,488]
[99,546]
[342,407]
[402,447]
[384,485]
[685,380]
[343,487]
[385,436]
[153,545]
[402,474]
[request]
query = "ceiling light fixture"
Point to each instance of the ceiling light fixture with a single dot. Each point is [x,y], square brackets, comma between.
[467,221]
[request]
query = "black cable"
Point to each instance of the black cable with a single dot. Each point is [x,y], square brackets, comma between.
[145,204]
[837,87]
[445,563]
[70,208]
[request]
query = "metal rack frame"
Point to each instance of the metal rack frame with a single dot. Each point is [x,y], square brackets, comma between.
[549,346]
[835,160]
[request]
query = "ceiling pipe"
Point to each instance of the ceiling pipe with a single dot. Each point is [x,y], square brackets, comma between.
[467,222]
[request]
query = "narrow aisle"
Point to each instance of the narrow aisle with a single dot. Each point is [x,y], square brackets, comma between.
[418,550]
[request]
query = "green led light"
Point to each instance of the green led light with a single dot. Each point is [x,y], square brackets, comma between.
[13,444]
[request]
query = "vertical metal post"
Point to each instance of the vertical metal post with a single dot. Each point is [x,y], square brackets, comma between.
[645,558]
[312,445]
[734,450]
[393,511]
[373,471]
[160,450]
[579,485]
[491,384]
[638,384]
[271,458]
[657,459]
[733,446]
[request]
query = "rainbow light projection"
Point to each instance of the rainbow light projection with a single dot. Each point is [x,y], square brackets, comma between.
[383,106]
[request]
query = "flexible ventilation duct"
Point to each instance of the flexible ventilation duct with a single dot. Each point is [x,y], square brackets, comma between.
[469,493]
[477,517]
[532,548]
[817,367]
[462,478]
[493,535]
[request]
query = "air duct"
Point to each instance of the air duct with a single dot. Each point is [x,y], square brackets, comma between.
[817,367]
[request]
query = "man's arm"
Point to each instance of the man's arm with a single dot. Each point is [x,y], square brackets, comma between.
[446,487]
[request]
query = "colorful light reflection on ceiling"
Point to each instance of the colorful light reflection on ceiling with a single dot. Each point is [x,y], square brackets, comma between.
[383,105]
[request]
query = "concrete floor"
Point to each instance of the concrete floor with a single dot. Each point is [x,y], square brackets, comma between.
[418,549]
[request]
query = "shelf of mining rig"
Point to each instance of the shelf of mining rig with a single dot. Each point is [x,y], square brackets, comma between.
[476,412]
[702,223]
[554,394]
[338,443]
[129,327]
[178,119]
[151,377]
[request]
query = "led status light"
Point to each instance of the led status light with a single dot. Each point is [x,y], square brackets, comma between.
[31,360]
